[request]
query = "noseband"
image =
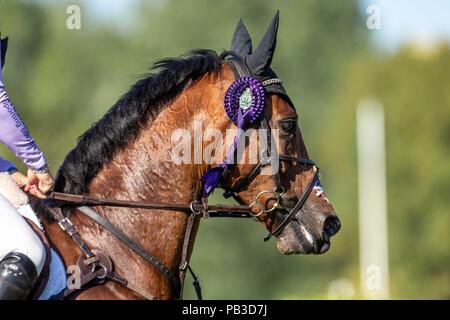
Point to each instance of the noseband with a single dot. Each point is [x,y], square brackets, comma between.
[60,204]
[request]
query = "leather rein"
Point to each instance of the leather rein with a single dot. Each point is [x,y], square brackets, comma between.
[98,268]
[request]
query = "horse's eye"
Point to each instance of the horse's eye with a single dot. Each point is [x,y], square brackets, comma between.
[288,126]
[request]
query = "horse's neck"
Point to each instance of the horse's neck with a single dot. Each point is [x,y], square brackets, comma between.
[145,171]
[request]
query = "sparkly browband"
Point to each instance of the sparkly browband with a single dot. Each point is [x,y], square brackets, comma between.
[268,82]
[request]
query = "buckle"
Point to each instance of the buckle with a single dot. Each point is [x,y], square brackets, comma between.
[183,266]
[205,208]
[67,226]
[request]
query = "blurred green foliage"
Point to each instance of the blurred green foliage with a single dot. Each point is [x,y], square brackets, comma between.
[63,80]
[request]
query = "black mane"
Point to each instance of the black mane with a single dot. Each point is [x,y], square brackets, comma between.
[121,124]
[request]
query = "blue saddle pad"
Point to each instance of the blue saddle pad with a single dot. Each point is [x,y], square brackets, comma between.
[57,280]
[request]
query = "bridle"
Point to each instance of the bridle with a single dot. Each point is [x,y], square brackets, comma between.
[240,69]
[100,267]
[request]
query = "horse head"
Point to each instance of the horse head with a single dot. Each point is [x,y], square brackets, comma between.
[289,200]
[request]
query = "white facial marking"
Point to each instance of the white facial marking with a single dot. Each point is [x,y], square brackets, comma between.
[306,233]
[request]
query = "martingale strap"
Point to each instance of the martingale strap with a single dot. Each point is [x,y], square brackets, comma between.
[92,260]
[133,245]
[83,204]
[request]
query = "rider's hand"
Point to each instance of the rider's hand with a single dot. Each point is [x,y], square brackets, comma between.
[20,179]
[39,184]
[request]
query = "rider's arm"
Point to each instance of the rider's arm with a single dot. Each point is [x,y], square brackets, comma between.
[15,135]
[13,132]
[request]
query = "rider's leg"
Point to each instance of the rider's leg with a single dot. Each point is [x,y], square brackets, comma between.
[22,254]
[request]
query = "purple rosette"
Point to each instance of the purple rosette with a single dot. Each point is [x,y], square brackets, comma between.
[234,94]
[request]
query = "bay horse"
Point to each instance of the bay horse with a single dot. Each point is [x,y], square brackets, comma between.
[127,155]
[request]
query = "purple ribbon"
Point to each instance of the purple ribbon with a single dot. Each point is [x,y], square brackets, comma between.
[240,116]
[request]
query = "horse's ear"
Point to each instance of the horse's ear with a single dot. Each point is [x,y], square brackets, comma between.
[3,47]
[261,58]
[241,43]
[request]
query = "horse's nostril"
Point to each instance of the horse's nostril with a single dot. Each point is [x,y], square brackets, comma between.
[331,226]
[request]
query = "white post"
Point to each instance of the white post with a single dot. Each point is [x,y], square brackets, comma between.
[373,239]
